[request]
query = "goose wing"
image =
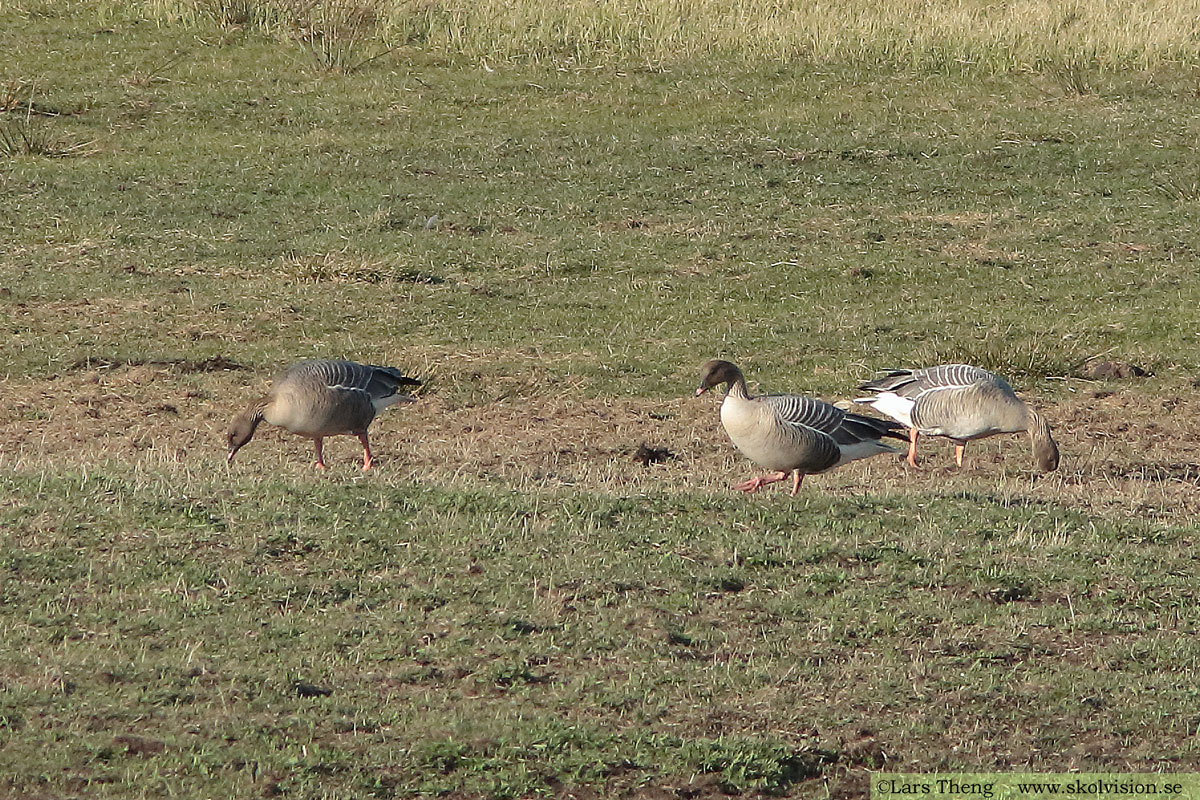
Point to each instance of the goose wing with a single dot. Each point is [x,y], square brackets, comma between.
[842,435]
[806,412]
[385,382]
[858,428]
[913,383]
[379,386]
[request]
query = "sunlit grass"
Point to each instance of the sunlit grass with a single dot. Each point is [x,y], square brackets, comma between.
[967,34]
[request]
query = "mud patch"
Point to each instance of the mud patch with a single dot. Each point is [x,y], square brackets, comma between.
[213,364]
[1114,370]
[647,455]
[138,745]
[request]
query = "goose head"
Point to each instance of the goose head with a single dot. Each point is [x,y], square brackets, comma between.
[716,372]
[242,430]
[1045,449]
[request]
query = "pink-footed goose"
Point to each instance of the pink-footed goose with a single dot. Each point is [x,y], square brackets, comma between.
[324,398]
[792,434]
[962,403]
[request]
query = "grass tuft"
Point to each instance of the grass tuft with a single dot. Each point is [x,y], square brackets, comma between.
[31,136]
[25,129]
[16,95]
[1180,188]
[157,72]
[336,268]
[342,35]
[1009,354]
[754,764]
[260,14]
[1073,75]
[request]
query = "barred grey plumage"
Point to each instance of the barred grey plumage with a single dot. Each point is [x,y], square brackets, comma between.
[808,411]
[375,382]
[914,382]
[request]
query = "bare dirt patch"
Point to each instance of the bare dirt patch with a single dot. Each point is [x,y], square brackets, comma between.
[1125,452]
[213,364]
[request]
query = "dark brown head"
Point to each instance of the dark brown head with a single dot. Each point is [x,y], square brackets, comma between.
[1045,449]
[242,430]
[716,372]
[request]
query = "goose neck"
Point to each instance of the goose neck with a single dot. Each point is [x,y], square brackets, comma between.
[737,388]
[256,412]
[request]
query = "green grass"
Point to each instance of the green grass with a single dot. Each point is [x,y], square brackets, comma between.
[882,209]
[507,607]
[498,643]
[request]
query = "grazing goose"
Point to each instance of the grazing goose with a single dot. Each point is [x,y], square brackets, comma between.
[323,398]
[790,433]
[962,403]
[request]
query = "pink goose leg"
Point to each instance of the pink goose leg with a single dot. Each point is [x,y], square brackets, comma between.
[368,461]
[754,484]
[912,446]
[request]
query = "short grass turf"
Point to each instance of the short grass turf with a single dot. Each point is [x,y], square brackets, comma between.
[511,605]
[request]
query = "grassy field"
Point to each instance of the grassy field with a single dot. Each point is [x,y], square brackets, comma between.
[510,605]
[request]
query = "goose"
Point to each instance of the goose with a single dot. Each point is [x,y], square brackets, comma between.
[322,398]
[790,433]
[962,403]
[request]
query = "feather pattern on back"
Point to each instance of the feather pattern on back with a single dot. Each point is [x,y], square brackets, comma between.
[374,381]
[807,411]
[912,383]
[324,398]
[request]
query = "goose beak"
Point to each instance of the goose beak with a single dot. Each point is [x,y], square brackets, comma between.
[230,455]
[699,391]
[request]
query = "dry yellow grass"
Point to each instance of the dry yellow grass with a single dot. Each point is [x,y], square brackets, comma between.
[1055,34]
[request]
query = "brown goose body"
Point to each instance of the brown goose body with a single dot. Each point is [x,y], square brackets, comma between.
[323,398]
